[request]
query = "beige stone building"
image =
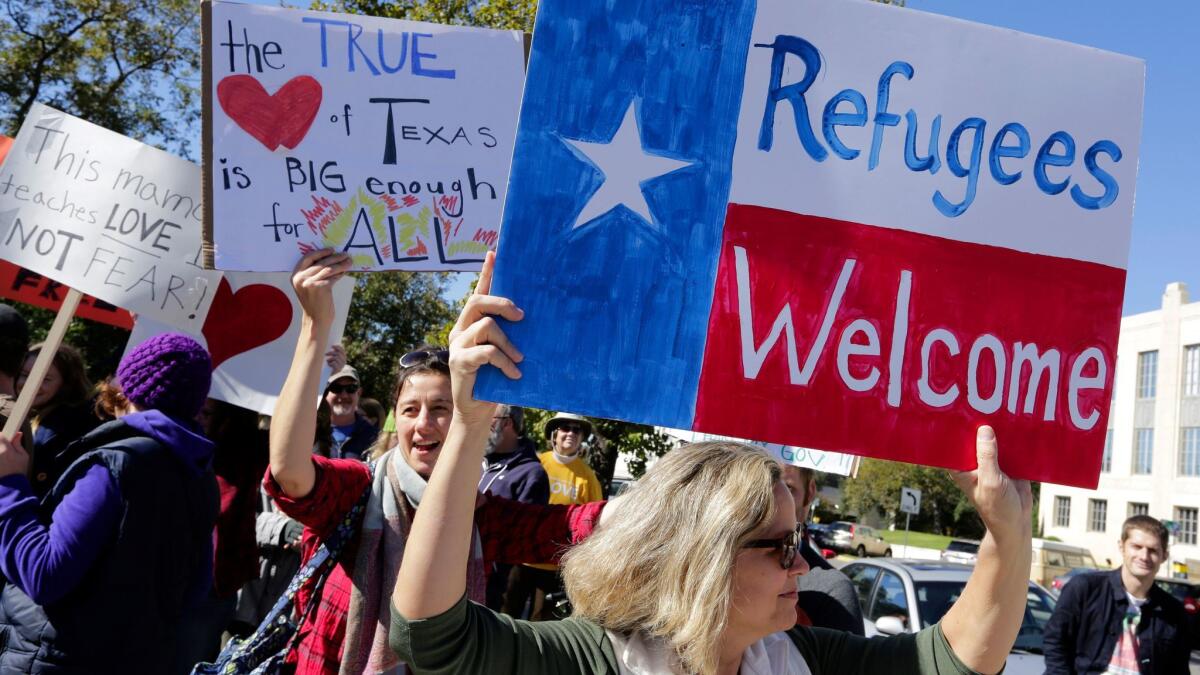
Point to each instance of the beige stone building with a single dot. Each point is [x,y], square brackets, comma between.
[1152,453]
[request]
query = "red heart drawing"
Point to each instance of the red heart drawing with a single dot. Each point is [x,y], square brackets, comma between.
[282,118]
[238,322]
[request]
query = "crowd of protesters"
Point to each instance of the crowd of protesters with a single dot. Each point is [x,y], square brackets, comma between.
[145,527]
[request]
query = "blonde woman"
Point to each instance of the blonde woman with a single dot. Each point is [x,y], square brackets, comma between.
[695,572]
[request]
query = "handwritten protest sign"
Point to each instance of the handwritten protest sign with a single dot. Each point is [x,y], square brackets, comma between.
[251,333]
[102,213]
[808,458]
[387,139]
[836,225]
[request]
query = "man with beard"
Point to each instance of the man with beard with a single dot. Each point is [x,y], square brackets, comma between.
[351,434]
[511,470]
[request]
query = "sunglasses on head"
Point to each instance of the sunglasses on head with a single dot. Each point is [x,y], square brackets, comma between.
[344,388]
[422,357]
[788,546]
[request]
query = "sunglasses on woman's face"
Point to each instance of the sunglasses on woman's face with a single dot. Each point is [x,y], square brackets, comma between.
[571,428]
[423,357]
[788,546]
[343,388]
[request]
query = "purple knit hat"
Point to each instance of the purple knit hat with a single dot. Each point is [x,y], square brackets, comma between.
[170,373]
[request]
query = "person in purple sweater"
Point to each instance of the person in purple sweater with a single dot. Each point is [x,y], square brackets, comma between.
[102,569]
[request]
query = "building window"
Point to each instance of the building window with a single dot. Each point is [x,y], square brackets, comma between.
[1186,520]
[1191,370]
[1138,509]
[1147,378]
[1189,452]
[1062,511]
[1106,458]
[1097,514]
[1143,452]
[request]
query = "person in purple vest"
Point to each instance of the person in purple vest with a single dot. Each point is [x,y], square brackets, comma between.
[102,569]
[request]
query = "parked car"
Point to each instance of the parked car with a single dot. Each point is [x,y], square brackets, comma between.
[905,596]
[1057,583]
[858,539]
[1052,558]
[821,534]
[963,551]
[1189,594]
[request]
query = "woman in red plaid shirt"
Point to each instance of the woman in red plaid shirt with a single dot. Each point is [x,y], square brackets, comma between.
[348,631]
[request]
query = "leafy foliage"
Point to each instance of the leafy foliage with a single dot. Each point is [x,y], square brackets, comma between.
[502,14]
[132,66]
[944,508]
[391,313]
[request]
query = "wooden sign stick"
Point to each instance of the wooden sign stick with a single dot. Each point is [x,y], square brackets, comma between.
[42,364]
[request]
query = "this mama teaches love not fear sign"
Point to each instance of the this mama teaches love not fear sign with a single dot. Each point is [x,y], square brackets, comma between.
[107,215]
[387,139]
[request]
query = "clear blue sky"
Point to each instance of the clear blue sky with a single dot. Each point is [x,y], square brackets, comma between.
[1166,232]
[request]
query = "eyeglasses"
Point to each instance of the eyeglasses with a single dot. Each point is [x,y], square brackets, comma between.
[343,388]
[788,545]
[423,357]
[571,428]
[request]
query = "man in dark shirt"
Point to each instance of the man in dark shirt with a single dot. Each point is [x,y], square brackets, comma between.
[826,596]
[511,470]
[1120,621]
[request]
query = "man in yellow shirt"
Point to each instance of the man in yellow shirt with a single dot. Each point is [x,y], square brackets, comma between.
[572,481]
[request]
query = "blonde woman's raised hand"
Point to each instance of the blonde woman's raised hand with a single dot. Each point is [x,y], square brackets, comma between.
[1004,504]
[477,340]
[313,279]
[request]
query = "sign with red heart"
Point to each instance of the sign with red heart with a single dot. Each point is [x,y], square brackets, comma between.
[251,331]
[387,139]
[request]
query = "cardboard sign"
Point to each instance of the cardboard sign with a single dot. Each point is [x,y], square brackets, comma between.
[102,213]
[808,458]
[251,334]
[31,288]
[837,225]
[387,139]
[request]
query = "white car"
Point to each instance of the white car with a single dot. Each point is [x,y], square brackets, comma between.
[905,596]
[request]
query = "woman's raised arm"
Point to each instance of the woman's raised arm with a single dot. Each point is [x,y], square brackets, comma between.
[983,624]
[433,574]
[295,421]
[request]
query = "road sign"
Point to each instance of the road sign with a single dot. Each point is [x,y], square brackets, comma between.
[910,501]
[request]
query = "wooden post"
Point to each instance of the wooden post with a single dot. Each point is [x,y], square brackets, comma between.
[42,364]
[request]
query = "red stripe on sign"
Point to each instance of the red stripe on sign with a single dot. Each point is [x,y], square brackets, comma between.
[897,345]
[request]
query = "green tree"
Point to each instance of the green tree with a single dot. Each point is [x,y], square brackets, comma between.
[503,14]
[944,508]
[132,66]
[391,313]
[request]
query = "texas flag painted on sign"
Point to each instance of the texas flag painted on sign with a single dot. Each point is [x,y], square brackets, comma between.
[838,225]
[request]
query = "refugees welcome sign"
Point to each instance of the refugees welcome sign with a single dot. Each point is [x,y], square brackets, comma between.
[843,226]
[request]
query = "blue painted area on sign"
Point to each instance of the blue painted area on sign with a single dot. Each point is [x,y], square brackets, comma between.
[616,307]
